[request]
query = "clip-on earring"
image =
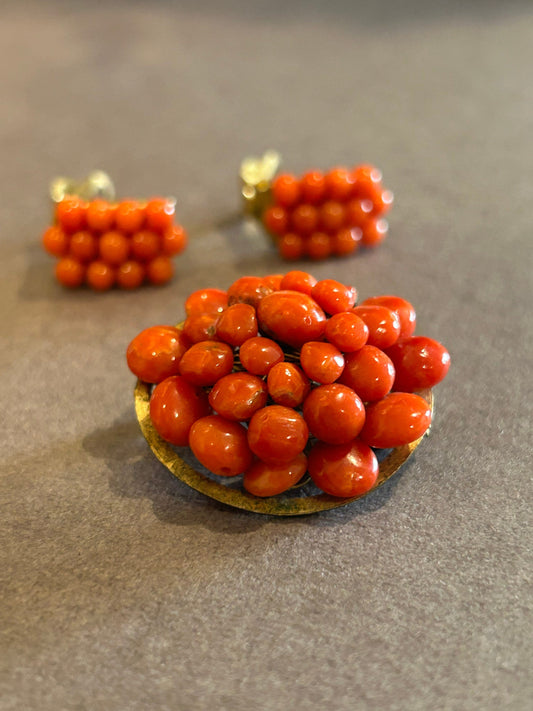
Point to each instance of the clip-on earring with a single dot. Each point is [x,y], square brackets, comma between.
[103,243]
[318,214]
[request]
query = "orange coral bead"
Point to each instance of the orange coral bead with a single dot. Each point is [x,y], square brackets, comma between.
[114,248]
[220,445]
[70,213]
[130,275]
[275,219]
[286,189]
[70,272]
[367,181]
[174,241]
[374,232]
[129,216]
[313,186]
[382,202]
[100,276]
[318,246]
[304,219]
[263,479]
[159,214]
[145,245]
[358,212]
[291,246]
[160,270]
[332,216]
[55,241]
[83,246]
[340,183]
[100,215]
[346,241]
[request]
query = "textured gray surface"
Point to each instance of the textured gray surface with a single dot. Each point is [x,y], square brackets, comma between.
[122,589]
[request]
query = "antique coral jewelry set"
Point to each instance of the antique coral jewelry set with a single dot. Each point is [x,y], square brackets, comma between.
[281,394]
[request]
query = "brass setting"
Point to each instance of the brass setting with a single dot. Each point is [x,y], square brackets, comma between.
[282,505]
[256,177]
[96,185]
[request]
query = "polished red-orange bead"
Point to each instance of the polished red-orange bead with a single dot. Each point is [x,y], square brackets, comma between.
[287,384]
[304,219]
[70,272]
[100,276]
[160,270]
[264,479]
[420,362]
[343,470]
[296,280]
[374,232]
[175,406]
[237,324]
[358,212]
[333,296]
[398,419]
[129,216]
[313,187]
[159,214]
[318,246]
[334,413]
[238,395]
[382,202]
[56,241]
[130,275]
[332,216]
[276,220]
[277,434]
[100,215]
[369,372]
[200,327]
[206,301]
[321,361]
[340,184]
[145,245]
[346,241]
[248,290]
[155,353]
[220,445]
[291,246]
[383,324]
[404,310]
[291,317]
[347,332]
[71,213]
[83,246]
[114,248]
[174,240]
[258,355]
[286,189]
[367,181]
[273,281]
[206,362]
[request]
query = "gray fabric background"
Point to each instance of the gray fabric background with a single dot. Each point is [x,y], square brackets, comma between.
[122,588]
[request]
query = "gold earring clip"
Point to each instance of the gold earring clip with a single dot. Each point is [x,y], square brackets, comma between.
[97,185]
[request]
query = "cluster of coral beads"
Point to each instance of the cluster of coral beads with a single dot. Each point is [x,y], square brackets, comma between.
[285,374]
[319,214]
[104,244]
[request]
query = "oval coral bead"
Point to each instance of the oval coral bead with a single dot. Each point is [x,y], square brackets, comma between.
[398,419]
[291,317]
